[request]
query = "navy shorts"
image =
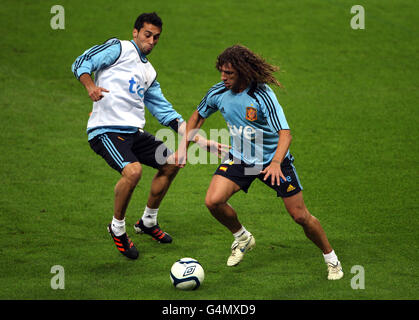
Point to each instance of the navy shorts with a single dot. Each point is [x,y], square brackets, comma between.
[120,149]
[243,175]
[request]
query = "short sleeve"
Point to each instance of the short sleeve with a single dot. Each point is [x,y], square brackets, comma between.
[209,103]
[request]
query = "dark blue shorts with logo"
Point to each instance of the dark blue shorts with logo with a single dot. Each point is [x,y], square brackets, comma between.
[244,174]
[119,149]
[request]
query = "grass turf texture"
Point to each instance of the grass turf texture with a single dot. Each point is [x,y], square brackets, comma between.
[350,97]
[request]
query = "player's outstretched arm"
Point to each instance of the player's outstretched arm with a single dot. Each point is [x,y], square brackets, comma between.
[209,145]
[221,150]
[192,126]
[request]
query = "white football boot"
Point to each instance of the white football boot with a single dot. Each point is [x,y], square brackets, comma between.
[239,248]
[335,271]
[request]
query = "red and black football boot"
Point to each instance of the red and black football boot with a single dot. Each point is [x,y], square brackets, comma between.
[124,244]
[155,232]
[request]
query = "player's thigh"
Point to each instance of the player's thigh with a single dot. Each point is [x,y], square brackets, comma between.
[115,149]
[220,190]
[149,150]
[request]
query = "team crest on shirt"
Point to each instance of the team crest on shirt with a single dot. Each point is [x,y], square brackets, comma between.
[251,113]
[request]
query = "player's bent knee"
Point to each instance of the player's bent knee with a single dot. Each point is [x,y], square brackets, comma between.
[209,203]
[301,220]
[133,172]
[299,215]
[212,202]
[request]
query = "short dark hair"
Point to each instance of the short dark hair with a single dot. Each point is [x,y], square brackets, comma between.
[152,18]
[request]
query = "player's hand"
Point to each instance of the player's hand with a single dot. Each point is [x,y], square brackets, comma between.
[274,171]
[221,150]
[96,93]
[178,158]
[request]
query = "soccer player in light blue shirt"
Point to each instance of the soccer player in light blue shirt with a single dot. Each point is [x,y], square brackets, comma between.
[260,138]
[250,114]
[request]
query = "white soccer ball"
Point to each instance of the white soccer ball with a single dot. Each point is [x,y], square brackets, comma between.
[187,274]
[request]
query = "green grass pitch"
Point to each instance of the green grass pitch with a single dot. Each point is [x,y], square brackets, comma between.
[350,97]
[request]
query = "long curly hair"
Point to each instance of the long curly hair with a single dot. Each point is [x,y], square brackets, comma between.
[251,68]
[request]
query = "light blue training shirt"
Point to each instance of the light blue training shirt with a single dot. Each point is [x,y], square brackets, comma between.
[254,118]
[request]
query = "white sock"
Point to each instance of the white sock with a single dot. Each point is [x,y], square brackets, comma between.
[239,233]
[330,257]
[118,226]
[150,217]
